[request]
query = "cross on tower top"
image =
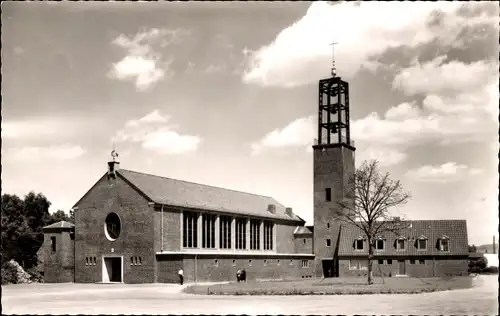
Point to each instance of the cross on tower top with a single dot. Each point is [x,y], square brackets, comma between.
[334,70]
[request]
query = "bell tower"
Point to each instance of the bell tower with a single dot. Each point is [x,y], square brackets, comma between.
[333,163]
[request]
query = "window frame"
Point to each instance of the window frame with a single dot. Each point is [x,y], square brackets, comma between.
[377,240]
[359,240]
[53,243]
[444,239]
[328,194]
[305,263]
[403,241]
[422,239]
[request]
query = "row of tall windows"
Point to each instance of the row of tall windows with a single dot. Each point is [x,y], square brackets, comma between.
[225,232]
[254,234]
[241,233]
[208,232]
[208,227]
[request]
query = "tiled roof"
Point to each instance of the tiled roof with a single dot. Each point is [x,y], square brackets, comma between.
[193,195]
[61,224]
[433,230]
[302,230]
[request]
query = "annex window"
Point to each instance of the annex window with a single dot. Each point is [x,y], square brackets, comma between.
[305,263]
[53,243]
[400,244]
[358,244]
[421,243]
[225,232]
[265,262]
[216,262]
[328,194]
[254,234]
[278,262]
[328,225]
[389,261]
[379,244]
[304,241]
[190,230]
[131,261]
[355,264]
[380,261]
[234,262]
[241,233]
[291,262]
[443,244]
[412,261]
[328,242]
[86,261]
[208,231]
[250,262]
[268,236]
[421,261]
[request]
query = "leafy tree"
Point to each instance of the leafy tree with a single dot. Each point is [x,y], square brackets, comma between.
[22,223]
[472,248]
[58,216]
[72,216]
[366,203]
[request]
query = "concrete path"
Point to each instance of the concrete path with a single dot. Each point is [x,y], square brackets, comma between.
[168,299]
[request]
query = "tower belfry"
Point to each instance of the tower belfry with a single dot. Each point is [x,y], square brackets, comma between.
[333,110]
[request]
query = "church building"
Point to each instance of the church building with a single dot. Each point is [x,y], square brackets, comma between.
[133,227]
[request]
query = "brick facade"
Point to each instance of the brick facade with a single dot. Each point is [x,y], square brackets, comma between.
[58,264]
[136,239]
[422,267]
[332,167]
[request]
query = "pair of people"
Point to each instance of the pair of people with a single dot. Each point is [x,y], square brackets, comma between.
[241,275]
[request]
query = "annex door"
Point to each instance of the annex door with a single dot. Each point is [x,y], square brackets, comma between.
[112,270]
[328,268]
[402,267]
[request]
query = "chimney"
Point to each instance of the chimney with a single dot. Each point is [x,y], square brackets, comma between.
[271,208]
[494,245]
[288,211]
[113,166]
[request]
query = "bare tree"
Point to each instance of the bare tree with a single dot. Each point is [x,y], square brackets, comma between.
[368,197]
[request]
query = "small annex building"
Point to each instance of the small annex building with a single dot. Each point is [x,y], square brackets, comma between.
[134,227]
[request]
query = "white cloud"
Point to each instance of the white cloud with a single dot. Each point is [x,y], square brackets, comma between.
[142,63]
[54,152]
[451,112]
[449,78]
[446,172]
[297,56]
[152,133]
[403,111]
[385,155]
[298,133]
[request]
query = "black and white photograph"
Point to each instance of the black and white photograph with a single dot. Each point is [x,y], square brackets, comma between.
[250,157]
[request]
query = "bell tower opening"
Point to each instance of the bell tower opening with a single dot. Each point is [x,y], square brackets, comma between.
[333,152]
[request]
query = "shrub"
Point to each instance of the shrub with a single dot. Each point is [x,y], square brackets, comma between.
[35,275]
[12,272]
[9,274]
[490,270]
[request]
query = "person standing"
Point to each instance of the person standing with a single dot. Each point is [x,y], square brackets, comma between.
[181,276]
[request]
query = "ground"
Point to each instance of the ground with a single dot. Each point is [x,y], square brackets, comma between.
[351,285]
[168,299]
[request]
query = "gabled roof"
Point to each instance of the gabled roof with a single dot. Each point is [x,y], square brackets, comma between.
[61,224]
[433,230]
[174,192]
[303,230]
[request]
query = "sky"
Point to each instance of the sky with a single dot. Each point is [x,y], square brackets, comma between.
[225,94]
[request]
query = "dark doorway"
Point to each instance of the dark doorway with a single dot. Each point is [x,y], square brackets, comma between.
[328,268]
[402,267]
[113,270]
